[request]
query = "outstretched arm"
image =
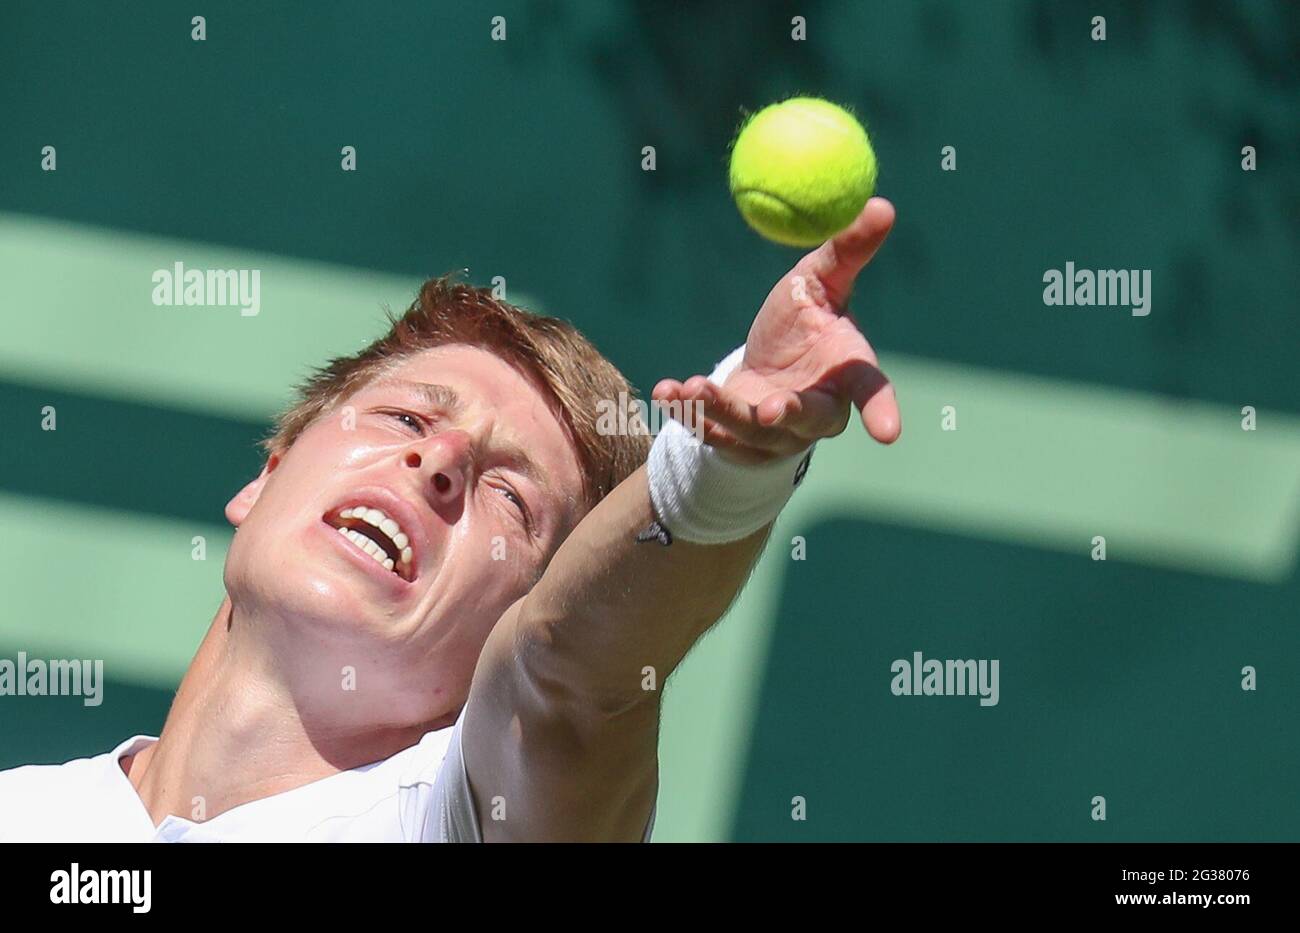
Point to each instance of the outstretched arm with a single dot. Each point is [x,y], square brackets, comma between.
[560,733]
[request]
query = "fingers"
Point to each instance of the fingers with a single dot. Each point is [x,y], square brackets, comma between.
[787,421]
[873,394]
[837,262]
[783,423]
[809,415]
[709,431]
[739,419]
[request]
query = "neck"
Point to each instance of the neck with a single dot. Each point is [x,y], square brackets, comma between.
[243,727]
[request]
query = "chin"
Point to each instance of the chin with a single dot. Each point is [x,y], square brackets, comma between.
[311,596]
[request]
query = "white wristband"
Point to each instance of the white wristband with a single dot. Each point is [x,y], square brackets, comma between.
[701,497]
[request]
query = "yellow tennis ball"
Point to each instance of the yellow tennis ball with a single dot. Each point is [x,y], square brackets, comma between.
[801,170]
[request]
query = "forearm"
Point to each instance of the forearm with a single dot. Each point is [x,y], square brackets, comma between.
[613,613]
[563,717]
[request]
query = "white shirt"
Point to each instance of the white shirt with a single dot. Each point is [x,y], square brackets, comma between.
[421,794]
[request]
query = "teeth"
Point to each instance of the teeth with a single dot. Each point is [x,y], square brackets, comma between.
[387,525]
[365,544]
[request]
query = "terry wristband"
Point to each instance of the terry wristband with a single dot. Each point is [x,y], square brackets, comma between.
[701,497]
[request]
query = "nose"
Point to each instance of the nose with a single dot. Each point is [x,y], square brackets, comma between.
[444,459]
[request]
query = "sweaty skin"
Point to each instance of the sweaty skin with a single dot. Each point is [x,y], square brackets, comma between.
[262,708]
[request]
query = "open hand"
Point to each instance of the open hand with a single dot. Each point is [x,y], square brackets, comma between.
[806,364]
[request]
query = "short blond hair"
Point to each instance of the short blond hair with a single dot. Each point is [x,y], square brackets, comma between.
[550,352]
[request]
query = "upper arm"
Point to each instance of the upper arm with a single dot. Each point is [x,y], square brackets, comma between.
[544,762]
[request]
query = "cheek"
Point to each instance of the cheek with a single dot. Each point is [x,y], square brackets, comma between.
[310,465]
[498,561]
[329,445]
[279,515]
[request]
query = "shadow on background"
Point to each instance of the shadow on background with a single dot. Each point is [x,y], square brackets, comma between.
[524,158]
[1115,680]
[149,459]
[52,730]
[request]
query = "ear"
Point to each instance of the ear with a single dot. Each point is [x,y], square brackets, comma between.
[237,509]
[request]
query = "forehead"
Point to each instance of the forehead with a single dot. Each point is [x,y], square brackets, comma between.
[482,379]
[486,387]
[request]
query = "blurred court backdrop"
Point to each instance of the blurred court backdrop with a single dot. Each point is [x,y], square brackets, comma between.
[523,159]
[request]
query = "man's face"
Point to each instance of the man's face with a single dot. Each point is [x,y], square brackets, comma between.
[409,519]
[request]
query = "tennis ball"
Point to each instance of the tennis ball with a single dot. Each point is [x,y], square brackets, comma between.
[801,170]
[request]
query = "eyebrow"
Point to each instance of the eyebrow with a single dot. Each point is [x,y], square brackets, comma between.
[449,400]
[438,396]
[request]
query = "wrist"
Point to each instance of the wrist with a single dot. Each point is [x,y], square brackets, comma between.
[702,495]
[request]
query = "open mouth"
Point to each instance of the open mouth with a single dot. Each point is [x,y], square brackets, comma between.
[377,535]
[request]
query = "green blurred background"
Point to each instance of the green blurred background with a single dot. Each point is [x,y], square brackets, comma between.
[522,159]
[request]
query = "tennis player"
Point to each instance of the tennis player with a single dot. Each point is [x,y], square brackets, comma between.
[451,600]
